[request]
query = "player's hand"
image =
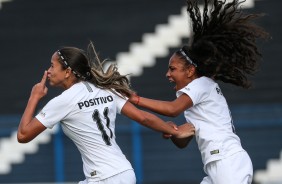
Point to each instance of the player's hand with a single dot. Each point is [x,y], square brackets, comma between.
[39,90]
[173,125]
[186,130]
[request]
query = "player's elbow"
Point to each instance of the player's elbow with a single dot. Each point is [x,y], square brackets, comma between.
[180,146]
[182,143]
[22,138]
[172,112]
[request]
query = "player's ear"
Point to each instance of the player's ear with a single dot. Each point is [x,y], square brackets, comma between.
[191,71]
[68,73]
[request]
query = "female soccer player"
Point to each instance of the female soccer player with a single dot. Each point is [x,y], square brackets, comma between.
[87,111]
[223,47]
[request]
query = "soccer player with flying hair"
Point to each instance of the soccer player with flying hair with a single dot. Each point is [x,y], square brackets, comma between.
[222,48]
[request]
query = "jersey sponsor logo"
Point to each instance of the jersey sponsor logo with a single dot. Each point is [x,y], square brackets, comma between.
[93,173]
[95,101]
[214,152]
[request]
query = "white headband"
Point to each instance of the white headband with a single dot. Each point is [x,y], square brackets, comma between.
[187,58]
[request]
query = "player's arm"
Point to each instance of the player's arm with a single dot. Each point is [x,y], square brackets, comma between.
[151,121]
[167,108]
[30,127]
[180,142]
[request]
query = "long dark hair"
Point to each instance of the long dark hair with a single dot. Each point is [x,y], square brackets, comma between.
[224,41]
[87,66]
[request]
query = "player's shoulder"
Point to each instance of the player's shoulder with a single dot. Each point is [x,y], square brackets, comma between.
[203,83]
[71,93]
[205,80]
[79,88]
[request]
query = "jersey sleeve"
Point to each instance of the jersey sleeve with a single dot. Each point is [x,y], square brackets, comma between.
[120,103]
[54,111]
[195,90]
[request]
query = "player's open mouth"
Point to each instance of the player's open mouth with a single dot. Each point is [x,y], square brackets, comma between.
[172,82]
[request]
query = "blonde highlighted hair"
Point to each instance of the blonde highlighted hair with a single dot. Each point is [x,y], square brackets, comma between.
[87,66]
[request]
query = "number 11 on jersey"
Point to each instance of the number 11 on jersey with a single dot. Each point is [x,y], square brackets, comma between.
[101,127]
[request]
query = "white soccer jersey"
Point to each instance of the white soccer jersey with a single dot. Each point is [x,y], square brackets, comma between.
[87,115]
[212,120]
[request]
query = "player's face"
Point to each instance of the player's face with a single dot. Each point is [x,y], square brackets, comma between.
[56,73]
[177,72]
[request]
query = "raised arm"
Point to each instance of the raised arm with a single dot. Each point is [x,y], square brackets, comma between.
[167,108]
[30,127]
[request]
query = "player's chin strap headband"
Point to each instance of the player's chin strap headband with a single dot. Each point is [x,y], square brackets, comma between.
[74,72]
[187,58]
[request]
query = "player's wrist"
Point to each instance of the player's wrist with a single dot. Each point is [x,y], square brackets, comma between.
[137,100]
[34,98]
